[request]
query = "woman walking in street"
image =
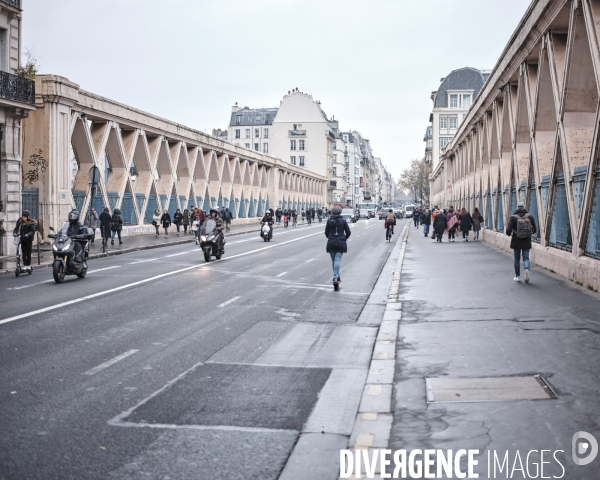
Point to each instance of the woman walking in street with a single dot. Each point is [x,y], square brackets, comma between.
[452,223]
[177,219]
[439,225]
[156,220]
[165,221]
[186,220]
[105,227]
[337,232]
[466,223]
[477,221]
[116,225]
[426,221]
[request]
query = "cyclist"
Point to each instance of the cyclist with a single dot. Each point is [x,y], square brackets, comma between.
[294,218]
[390,221]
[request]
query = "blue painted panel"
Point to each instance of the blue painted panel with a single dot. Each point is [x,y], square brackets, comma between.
[79,197]
[226,202]
[545,188]
[579,186]
[513,200]
[560,230]
[140,198]
[206,206]
[267,205]
[500,220]
[113,198]
[127,210]
[98,202]
[490,215]
[532,208]
[252,208]
[152,206]
[163,202]
[183,201]
[592,246]
[261,210]
[30,200]
[213,202]
[172,205]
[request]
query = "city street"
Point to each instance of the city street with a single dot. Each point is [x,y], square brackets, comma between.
[158,365]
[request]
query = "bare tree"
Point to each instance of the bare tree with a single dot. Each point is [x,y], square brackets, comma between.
[416,178]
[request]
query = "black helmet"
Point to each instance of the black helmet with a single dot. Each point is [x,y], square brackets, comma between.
[390,210]
[213,210]
[73,216]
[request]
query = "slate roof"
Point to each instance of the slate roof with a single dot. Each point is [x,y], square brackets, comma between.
[466,78]
[253,116]
[428,133]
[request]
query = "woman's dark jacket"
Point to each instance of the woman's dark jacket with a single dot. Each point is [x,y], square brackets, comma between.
[440,223]
[511,229]
[466,222]
[426,218]
[337,232]
[105,223]
[177,218]
[116,221]
[26,230]
[165,220]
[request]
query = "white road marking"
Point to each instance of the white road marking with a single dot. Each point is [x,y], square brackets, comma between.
[308,261]
[224,304]
[102,269]
[175,254]
[141,282]
[30,285]
[143,261]
[280,275]
[110,362]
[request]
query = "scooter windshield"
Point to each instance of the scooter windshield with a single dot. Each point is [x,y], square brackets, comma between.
[209,225]
[63,230]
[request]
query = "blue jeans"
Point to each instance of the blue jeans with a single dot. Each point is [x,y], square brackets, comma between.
[526,264]
[336,260]
[116,232]
[425,229]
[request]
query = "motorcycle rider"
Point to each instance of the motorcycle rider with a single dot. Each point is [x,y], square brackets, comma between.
[214,215]
[390,219]
[268,219]
[75,231]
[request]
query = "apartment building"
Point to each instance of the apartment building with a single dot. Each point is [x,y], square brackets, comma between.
[252,128]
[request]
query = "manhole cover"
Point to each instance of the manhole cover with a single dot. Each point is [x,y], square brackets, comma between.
[236,396]
[488,389]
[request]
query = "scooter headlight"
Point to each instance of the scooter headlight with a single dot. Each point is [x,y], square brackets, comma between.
[203,238]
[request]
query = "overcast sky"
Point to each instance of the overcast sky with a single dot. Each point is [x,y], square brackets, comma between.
[373,64]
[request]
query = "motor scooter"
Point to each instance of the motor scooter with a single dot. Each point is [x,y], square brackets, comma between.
[212,241]
[266,231]
[70,253]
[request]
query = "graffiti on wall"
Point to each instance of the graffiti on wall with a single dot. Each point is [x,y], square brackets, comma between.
[39,163]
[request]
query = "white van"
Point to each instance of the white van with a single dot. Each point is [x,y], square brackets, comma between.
[408,211]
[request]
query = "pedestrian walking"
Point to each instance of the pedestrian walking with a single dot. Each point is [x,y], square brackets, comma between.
[105,226]
[337,232]
[116,225]
[227,218]
[278,214]
[426,221]
[186,220]
[477,221]
[165,221]
[25,230]
[452,224]
[156,220]
[520,228]
[466,223]
[303,215]
[177,219]
[416,217]
[91,221]
[434,214]
[440,223]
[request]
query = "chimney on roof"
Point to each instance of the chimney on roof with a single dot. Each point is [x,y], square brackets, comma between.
[246,107]
[235,108]
[288,92]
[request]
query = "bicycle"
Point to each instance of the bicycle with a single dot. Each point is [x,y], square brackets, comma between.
[294,221]
[388,232]
[285,222]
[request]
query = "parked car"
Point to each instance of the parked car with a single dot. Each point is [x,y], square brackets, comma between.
[408,210]
[382,212]
[349,215]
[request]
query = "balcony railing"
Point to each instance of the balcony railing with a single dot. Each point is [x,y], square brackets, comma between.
[13,3]
[17,89]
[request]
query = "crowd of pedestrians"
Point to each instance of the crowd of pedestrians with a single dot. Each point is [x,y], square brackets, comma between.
[461,222]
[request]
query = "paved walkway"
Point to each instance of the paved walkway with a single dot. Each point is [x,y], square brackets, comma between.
[130,244]
[464,316]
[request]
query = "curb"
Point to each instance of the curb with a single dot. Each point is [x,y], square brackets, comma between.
[95,256]
[373,425]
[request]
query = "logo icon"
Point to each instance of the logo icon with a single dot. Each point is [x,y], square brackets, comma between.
[588,446]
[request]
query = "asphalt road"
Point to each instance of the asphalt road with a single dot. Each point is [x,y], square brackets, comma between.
[158,365]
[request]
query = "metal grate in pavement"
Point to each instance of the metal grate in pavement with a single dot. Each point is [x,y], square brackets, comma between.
[488,389]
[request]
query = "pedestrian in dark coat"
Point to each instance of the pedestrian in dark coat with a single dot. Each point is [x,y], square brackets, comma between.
[337,232]
[186,220]
[105,226]
[477,222]
[278,215]
[439,225]
[177,220]
[466,223]
[520,244]
[91,221]
[426,221]
[116,225]
[165,221]
[25,229]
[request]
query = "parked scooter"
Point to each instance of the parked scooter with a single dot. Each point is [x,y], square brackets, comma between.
[266,231]
[70,253]
[212,241]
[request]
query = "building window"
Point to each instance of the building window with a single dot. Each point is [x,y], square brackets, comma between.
[247,145]
[257,133]
[443,142]
[293,160]
[452,122]
[257,147]
[453,101]
[265,148]
[335,171]
[292,144]
[301,145]
[237,133]
[238,120]
[443,123]
[302,162]
[266,133]
[466,100]
[258,117]
[247,133]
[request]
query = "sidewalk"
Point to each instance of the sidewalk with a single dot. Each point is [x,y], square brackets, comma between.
[130,244]
[464,316]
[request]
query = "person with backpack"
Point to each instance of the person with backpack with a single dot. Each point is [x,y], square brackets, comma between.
[337,232]
[452,224]
[465,223]
[520,228]
[477,222]
[116,225]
